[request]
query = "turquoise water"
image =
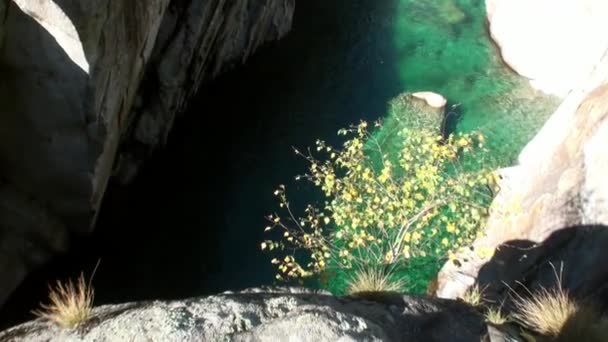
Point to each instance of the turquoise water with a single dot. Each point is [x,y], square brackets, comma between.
[192,222]
[443,46]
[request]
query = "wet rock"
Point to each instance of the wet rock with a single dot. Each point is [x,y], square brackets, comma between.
[274,314]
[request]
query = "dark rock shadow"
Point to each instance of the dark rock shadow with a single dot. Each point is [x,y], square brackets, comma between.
[575,255]
[46,149]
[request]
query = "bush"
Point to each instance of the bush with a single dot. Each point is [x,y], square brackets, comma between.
[389,204]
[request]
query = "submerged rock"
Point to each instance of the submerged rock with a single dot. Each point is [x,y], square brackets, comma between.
[271,314]
[556,44]
[83,80]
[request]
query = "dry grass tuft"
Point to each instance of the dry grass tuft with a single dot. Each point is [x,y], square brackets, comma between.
[473,296]
[495,316]
[371,280]
[70,305]
[546,311]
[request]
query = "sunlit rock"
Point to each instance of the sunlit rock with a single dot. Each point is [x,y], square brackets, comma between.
[555,44]
[272,314]
[432,99]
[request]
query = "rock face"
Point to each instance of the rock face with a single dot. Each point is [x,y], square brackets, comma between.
[555,44]
[559,183]
[84,85]
[271,314]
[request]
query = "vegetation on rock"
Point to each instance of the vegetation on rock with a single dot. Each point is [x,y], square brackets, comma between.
[396,205]
[70,305]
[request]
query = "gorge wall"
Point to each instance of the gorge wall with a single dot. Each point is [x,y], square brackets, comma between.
[551,211]
[554,44]
[88,90]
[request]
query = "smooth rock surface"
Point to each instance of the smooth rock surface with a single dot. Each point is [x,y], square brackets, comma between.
[86,83]
[432,99]
[556,44]
[271,314]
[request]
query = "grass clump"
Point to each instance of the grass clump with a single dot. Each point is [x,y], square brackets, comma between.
[495,316]
[473,296]
[372,280]
[71,303]
[546,311]
[554,314]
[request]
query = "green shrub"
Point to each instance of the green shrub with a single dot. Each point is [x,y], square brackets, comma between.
[390,205]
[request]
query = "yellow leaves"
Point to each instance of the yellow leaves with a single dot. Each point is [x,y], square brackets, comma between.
[406,251]
[385,174]
[462,142]
[416,236]
[388,257]
[485,252]
[451,227]
[374,197]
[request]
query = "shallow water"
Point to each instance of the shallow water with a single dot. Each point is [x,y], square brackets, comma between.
[192,221]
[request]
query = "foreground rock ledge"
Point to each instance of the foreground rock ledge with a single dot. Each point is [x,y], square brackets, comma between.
[271,314]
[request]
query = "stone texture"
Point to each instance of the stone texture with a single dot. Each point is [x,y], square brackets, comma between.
[272,314]
[83,80]
[558,183]
[555,44]
[432,99]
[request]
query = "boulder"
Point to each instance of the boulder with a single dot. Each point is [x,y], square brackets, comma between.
[432,99]
[555,44]
[271,314]
[86,83]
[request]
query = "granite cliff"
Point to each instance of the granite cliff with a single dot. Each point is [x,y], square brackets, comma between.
[551,211]
[88,90]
